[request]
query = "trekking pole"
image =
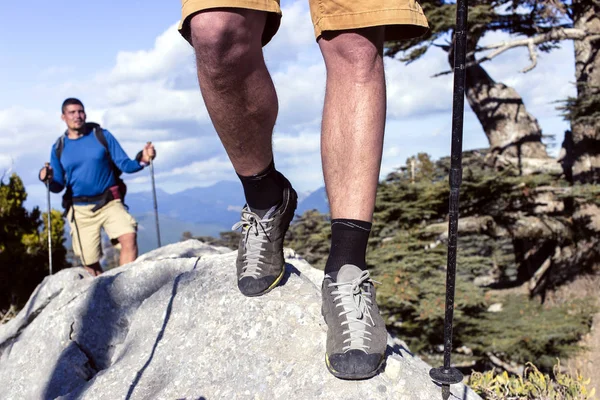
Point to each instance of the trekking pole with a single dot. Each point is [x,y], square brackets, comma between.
[155,202]
[447,375]
[49,228]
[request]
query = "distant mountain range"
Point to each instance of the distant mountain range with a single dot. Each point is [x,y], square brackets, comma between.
[316,200]
[203,211]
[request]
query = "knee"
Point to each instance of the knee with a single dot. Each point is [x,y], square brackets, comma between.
[356,54]
[223,41]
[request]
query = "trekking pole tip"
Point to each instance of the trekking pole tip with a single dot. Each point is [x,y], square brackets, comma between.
[445,392]
[446,376]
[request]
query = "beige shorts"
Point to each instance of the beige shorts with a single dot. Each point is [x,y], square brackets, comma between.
[85,228]
[403,19]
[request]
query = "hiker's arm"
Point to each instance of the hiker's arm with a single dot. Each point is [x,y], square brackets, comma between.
[57,183]
[119,157]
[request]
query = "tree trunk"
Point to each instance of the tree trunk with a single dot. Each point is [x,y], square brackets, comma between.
[585,129]
[512,132]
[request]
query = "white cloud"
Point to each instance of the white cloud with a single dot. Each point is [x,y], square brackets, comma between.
[412,91]
[305,142]
[25,132]
[300,90]
[294,43]
[6,164]
[169,53]
[158,106]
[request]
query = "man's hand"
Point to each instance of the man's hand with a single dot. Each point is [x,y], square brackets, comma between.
[46,173]
[148,153]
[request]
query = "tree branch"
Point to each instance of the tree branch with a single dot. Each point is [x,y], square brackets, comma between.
[555,35]
[532,57]
[537,276]
[514,369]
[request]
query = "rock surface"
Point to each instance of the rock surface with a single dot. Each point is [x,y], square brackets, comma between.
[173,325]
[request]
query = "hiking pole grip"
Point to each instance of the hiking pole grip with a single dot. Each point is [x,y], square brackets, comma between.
[155,202]
[49,227]
[151,158]
[447,375]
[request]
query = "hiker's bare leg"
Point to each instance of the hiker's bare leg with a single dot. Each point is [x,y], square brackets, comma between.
[235,84]
[129,249]
[353,120]
[93,269]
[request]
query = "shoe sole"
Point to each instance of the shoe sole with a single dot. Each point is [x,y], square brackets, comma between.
[353,377]
[271,287]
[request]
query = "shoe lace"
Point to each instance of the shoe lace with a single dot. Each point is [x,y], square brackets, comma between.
[255,233]
[356,305]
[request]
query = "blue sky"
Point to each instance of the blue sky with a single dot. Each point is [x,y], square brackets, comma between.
[136,76]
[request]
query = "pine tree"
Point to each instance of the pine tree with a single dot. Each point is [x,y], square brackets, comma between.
[24,245]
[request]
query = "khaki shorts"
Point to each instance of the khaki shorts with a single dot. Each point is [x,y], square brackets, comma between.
[403,19]
[85,228]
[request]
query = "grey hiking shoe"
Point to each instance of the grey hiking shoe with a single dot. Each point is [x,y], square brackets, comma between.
[356,334]
[260,262]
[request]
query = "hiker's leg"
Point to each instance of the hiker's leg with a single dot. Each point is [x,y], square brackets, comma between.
[353,120]
[240,97]
[129,249]
[351,146]
[242,104]
[235,84]
[93,269]
[120,225]
[351,35]
[85,237]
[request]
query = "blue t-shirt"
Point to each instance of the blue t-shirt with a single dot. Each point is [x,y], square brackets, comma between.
[85,166]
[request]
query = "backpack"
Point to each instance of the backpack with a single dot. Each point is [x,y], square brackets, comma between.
[99,135]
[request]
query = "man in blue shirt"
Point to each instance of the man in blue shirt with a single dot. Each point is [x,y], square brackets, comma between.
[83,164]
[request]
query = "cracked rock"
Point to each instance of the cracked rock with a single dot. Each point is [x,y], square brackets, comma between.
[173,325]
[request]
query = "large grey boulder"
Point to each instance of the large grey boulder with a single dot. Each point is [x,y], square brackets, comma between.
[172,325]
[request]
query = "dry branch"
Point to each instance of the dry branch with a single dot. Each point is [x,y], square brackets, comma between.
[554,35]
[513,369]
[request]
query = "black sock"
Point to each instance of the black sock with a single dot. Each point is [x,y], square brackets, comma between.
[263,190]
[349,239]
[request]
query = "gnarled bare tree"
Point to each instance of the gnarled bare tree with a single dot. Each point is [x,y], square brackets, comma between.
[510,129]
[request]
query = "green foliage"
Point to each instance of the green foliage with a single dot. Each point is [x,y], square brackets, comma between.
[311,233]
[526,330]
[229,239]
[418,168]
[585,193]
[412,292]
[583,109]
[24,244]
[533,384]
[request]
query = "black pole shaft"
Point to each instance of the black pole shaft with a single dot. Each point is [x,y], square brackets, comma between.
[460,50]
[447,375]
[155,203]
[49,227]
